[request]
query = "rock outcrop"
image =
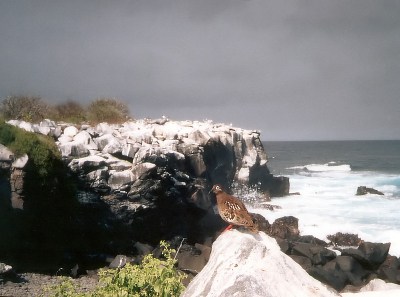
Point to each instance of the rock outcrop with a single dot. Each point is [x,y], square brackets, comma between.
[363,190]
[149,180]
[244,264]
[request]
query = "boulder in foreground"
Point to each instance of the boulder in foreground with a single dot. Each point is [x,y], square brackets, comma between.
[244,264]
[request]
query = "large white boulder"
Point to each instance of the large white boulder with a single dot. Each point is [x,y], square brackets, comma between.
[85,138]
[71,131]
[26,126]
[104,128]
[252,265]
[103,140]
[74,149]
[140,136]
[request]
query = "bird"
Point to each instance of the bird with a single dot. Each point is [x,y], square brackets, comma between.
[232,210]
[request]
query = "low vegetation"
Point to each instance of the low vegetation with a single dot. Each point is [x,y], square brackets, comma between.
[34,109]
[108,110]
[154,277]
[42,151]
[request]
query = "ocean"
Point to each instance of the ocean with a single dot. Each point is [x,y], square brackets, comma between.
[327,175]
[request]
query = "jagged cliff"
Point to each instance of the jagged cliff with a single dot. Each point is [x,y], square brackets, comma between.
[146,180]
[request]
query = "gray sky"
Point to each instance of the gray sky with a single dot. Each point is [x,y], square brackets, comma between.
[296,70]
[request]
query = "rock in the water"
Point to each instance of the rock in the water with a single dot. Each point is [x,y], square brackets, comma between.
[362,190]
[244,264]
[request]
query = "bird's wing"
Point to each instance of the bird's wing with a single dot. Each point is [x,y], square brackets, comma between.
[236,203]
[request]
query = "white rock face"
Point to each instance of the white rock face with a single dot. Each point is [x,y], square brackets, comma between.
[20,162]
[141,169]
[252,265]
[118,178]
[218,151]
[5,153]
[71,131]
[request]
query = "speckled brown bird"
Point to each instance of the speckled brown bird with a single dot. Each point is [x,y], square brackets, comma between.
[232,210]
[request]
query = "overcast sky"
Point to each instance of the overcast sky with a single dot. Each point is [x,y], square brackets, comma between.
[296,70]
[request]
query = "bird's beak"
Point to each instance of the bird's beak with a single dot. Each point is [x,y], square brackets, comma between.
[210,191]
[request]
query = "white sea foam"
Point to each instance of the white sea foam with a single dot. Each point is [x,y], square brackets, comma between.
[331,166]
[328,204]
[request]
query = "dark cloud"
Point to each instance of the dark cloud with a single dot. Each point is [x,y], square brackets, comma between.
[293,69]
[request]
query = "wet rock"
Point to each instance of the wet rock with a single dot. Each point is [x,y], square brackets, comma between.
[362,190]
[344,239]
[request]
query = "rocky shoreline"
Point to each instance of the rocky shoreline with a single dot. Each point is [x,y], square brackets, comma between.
[147,180]
[346,264]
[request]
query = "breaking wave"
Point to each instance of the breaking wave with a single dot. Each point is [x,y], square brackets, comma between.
[331,166]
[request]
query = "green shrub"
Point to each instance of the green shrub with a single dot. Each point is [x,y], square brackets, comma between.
[108,110]
[152,278]
[24,108]
[41,150]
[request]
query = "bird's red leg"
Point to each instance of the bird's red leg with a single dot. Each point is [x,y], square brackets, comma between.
[227,228]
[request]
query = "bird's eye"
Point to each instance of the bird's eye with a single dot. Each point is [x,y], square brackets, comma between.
[217,187]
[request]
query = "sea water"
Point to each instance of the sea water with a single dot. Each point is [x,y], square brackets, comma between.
[327,175]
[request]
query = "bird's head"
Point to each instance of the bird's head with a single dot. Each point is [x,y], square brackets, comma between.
[217,189]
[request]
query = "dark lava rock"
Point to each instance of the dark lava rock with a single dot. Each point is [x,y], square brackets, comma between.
[263,224]
[317,254]
[355,273]
[335,278]
[285,228]
[370,255]
[311,239]
[389,270]
[375,253]
[344,239]
[362,190]
[284,245]
[304,262]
